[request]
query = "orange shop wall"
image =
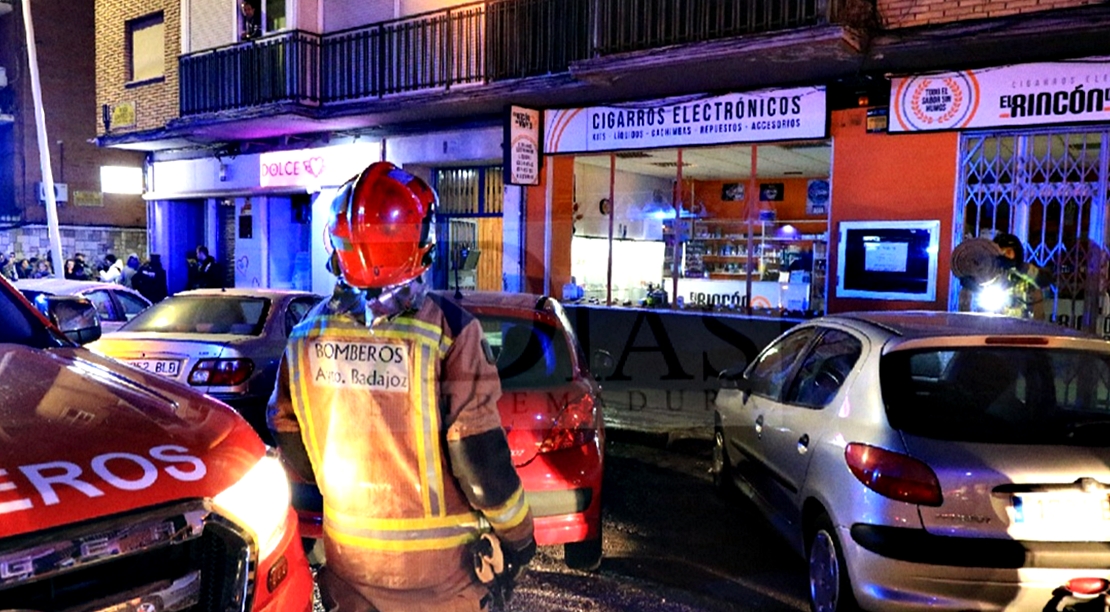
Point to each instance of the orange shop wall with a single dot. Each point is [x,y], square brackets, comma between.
[562,226]
[885,177]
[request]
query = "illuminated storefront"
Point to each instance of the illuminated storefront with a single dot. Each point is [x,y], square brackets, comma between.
[720,201]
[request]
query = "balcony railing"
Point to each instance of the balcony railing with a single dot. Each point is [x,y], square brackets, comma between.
[435,50]
[472,44]
[275,69]
[536,37]
[636,25]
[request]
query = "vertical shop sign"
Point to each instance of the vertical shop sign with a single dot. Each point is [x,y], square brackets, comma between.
[522,152]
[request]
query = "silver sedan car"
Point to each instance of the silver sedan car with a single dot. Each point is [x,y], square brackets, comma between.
[929,460]
[225,342]
[115,304]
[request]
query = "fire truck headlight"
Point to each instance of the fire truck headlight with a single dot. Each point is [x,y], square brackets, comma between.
[260,502]
[992,298]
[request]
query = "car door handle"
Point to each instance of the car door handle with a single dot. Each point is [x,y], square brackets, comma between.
[803,444]
[759,427]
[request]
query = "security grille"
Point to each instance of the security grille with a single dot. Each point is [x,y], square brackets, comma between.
[1049,189]
[470,191]
[471,201]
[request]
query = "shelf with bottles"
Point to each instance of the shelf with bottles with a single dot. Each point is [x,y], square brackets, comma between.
[713,247]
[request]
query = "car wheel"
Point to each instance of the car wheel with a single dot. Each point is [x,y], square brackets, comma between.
[584,556]
[721,469]
[830,590]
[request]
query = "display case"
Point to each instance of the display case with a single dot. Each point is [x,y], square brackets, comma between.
[781,252]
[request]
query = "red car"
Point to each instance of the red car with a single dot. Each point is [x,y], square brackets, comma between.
[551,410]
[123,490]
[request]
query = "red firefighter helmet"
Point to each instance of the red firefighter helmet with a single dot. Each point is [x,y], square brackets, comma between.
[381,227]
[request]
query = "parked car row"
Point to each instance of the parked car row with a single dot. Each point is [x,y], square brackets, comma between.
[915,460]
[227,343]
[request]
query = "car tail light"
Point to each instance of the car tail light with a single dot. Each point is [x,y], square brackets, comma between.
[894,475]
[1087,586]
[221,372]
[574,426]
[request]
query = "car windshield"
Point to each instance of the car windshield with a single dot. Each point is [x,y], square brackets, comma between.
[203,314]
[999,395]
[530,354]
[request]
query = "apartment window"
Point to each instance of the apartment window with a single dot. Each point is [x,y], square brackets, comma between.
[260,17]
[147,46]
[275,15]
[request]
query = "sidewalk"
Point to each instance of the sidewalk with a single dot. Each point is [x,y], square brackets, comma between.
[677,414]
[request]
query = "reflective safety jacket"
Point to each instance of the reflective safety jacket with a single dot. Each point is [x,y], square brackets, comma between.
[401,427]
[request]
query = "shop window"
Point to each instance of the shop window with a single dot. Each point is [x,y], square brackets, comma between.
[146,47]
[690,227]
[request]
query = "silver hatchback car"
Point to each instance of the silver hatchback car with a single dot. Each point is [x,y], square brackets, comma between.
[929,460]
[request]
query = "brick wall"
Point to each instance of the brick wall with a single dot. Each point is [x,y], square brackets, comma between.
[63,35]
[894,14]
[94,242]
[155,102]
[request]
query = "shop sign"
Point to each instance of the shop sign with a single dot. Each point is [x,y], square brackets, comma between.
[87,198]
[522,156]
[312,168]
[1027,94]
[757,116]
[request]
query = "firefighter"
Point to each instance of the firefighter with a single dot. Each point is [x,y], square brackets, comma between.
[1024,282]
[387,400]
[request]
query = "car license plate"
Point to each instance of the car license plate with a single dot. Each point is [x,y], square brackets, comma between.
[1068,508]
[165,367]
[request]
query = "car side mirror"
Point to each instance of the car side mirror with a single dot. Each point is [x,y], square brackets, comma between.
[602,364]
[733,378]
[76,317]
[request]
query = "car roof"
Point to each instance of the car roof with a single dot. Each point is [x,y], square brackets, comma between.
[247,292]
[930,324]
[63,286]
[499,299]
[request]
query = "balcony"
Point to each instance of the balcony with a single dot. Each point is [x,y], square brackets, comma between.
[473,45]
[278,69]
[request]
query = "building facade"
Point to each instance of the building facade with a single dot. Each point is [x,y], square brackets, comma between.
[91,220]
[738,156]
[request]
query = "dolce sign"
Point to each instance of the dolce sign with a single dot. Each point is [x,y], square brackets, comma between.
[313,168]
[275,172]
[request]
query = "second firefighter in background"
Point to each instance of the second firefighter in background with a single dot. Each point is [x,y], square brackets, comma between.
[387,398]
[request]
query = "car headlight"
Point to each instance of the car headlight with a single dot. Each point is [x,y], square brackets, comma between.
[259,502]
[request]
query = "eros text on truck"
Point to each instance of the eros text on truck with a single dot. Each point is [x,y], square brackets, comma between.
[123,490]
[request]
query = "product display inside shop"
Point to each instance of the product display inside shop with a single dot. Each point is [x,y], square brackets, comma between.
[692,229]
[784,260]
